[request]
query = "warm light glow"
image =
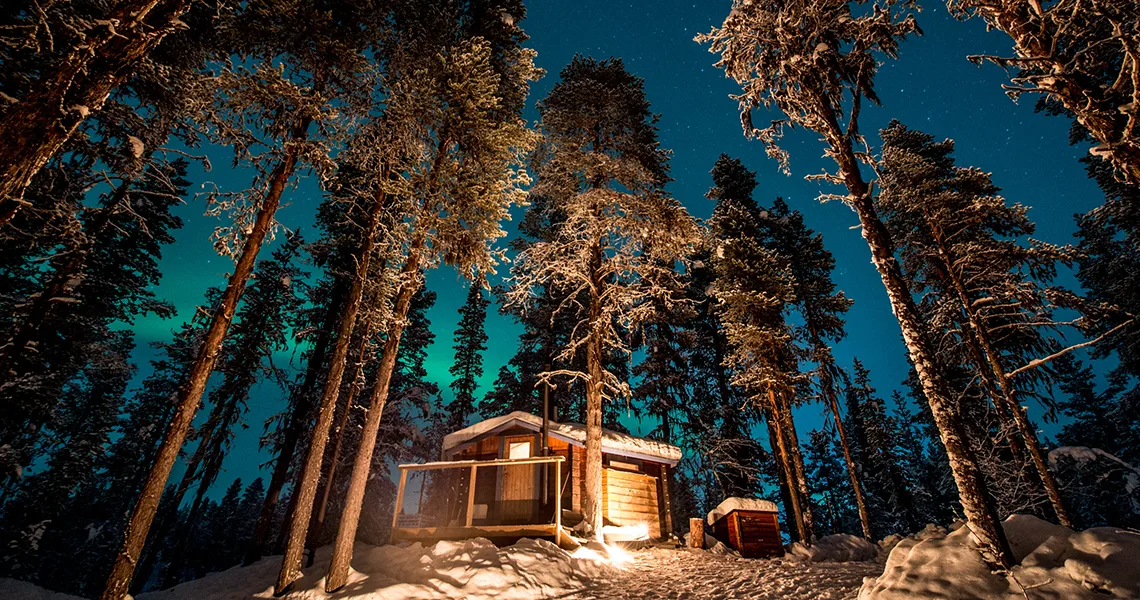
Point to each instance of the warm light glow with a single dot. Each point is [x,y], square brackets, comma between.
[626,533]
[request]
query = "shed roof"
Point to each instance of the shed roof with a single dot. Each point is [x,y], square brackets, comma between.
[732,504]
[620,444]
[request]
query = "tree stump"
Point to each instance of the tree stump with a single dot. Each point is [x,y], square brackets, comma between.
[696,533]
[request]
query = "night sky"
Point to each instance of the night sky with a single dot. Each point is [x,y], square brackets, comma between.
[932,88]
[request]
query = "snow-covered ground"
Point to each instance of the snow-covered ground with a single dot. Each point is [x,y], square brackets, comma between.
[697,575]
[531,569]
[1054,563]
[472,569]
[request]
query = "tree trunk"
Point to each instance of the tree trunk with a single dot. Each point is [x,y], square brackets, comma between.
[310,475]
[782,476]
[828,385]
[259,543]
[977,501]
[697,533]
[792,443]
[36,128]
[342,420]
[173,575]
[191,396]
[354,498]
[779,446]
[981,340]
[169,513]
[593,492]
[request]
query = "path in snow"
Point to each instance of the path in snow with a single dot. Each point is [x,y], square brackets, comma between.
[690,574]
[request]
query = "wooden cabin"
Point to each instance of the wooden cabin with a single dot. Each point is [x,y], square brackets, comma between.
[495,481]
[749,526]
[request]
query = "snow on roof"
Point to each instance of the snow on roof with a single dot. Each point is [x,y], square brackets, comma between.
[573,433]
[731,504]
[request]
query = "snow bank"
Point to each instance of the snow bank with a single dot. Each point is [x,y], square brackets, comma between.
[1054,563]
[840,547]
[473,569]
[731,504]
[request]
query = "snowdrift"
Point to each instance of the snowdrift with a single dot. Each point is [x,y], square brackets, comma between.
[1055,563]
[835,548]
[473,569]
[10,588]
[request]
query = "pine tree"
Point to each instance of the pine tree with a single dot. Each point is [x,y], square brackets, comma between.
[111,284]
[834,504]
[546,330]
[602,168]
[822,310]
[713,428]
[319,63]
[467,176]
[470,342]
[752,287]
[1105,419]
[836,52]
[1109,260]
[1078,55]
[959,244]
[890,497]
[45,500]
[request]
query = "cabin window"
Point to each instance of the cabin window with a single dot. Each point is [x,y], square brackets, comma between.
[617,464]
[518,450]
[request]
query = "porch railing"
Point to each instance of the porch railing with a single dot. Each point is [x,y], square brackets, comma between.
[445,487]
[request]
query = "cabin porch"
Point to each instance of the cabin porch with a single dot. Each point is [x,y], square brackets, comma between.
[491,498]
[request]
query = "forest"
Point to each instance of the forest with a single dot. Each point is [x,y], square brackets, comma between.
[410,121]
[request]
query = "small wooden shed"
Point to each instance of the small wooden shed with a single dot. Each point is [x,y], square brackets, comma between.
[494,480]
[748,525]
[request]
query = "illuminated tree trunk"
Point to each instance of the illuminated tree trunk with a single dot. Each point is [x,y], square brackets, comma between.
[119,580]
[354,498]
[342,420]
[36,127]
[781,475]
[306,492]
[799,476]
[593,493]
[259,543]
[828,385]
[780,447]
[978,336]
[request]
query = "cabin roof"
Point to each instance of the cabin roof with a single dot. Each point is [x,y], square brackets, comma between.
[620,444]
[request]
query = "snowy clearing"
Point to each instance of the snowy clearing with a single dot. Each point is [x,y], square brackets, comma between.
[697,575]
[531,569]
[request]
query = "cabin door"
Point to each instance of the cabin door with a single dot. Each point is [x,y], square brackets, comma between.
[518,500]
